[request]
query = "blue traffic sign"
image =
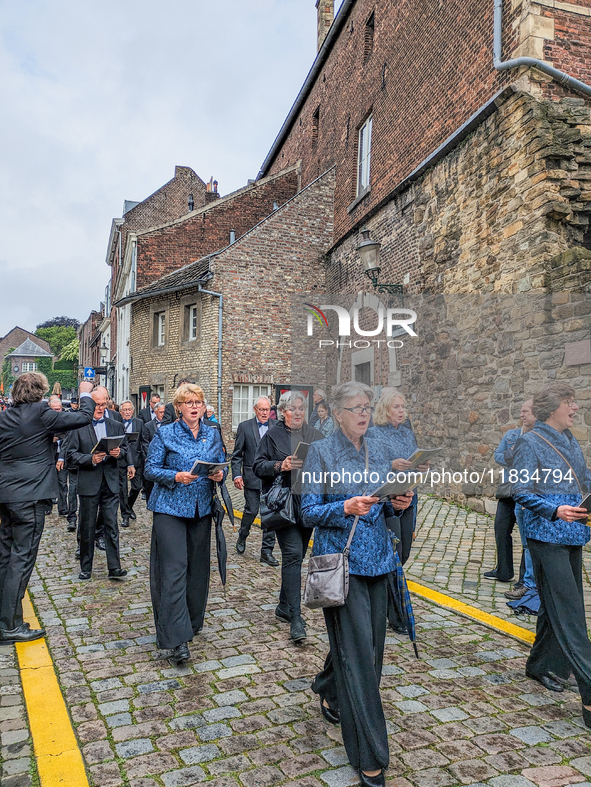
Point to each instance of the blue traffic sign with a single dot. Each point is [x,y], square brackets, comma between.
[89,372]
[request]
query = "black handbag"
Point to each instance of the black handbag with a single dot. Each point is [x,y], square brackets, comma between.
[278,507]
[504,489]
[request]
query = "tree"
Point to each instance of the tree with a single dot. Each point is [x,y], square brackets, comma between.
[59,322]
[70,351]
[57,337]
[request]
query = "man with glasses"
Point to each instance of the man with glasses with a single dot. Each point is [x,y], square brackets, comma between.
[248,437]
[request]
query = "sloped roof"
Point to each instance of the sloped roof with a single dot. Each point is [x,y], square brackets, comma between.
[29,349]
[192,273]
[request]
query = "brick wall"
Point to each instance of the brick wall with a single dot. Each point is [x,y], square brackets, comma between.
[16,337]
[166,249]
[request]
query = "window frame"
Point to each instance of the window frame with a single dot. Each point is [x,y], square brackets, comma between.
[245,411]
[364,155]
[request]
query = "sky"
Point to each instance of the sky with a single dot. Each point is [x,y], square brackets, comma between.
[100,101]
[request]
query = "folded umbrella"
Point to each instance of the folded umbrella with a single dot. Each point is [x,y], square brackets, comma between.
[220,539]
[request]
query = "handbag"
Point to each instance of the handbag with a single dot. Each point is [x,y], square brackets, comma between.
[327,583]
[277,506]
[504,489]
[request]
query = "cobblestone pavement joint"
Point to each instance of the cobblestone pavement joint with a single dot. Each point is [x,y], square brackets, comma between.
[241,712]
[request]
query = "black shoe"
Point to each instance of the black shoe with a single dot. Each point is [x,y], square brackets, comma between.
[84,575]
[117,573]
[71,527]
[545,680]
[100,544]
[399,628]
[282,614]
[143,496]
[240,546]
[125,522]
[180,653]
[132,515]
[586,716]
[330,715]
[267,557]
[62,513]
[77,555]
[493,575]
[22,633]
[372,781]
[297,630]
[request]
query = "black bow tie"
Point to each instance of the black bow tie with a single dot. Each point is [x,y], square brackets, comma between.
[96,421]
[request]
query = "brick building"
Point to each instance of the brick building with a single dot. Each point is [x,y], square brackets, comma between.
[24,358]
[16,337]
[89,339]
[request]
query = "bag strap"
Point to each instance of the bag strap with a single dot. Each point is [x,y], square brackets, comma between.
[356,520]
[561,455]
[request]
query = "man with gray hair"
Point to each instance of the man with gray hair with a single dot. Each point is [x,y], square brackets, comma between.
[248,437]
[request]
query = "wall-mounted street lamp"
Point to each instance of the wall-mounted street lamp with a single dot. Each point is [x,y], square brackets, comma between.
[369,251]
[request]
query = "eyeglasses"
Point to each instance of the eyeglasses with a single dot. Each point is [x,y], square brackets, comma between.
[360,410]
[263,409]
[571,402]
[193,404]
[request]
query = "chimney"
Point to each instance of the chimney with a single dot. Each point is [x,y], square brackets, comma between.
[325,19]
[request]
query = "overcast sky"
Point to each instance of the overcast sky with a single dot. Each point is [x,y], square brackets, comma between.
[101,100]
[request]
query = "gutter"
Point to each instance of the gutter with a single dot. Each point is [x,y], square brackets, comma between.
[317,66]
[140,296]
[531,62]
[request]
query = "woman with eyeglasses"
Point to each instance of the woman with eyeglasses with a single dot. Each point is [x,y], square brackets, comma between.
[339,473]
[552,478]
[275,457]
[181,531]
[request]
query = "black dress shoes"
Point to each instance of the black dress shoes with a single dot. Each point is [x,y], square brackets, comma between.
[372,781]
[267,557]
[84,575]
[117,573]
[22,633]
[125,521]
[586,716]
[132,515]
[180,653]
[546,681]
[493,575]
[77,555]
[297,630]
[330,715]
[240,546]
[71,527]
[100,544]
[282,614]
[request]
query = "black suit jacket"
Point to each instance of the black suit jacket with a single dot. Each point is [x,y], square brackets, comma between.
[27,463]
[145,414]
[170,414]
[115,415]
[90,476]
[148,433]
[135,454]
[247,441]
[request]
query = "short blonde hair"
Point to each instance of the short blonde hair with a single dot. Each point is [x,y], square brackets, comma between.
[381,416]
[183,392]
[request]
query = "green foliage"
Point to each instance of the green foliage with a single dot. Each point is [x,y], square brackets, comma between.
[60,322]
[69,353]
[7,376]
[67,379]
[57,337]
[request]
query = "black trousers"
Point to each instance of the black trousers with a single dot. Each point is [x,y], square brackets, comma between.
[72,496]
[293,542]
[504,523]
[135,486]
[21,527]
[350,680]
[404,533]
[129,490]
[89,507]
[62,500]
[562,644]
[179,576]
[252,501]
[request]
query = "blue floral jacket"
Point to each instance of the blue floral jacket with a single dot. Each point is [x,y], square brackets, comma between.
[541,498]
[371,552]
[505,452]
[399,443]
[172,450]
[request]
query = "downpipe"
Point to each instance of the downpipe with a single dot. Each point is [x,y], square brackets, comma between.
[220,322]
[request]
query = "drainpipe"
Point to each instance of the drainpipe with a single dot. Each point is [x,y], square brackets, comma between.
[531,62]
[220,315]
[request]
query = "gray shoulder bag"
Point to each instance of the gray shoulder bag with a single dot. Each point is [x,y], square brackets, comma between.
[327,583]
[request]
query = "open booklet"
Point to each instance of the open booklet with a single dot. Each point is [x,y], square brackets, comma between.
[106,444]
[422,455]
[201,468]
[393,488]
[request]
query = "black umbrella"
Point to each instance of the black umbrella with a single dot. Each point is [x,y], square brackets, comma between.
[218,514]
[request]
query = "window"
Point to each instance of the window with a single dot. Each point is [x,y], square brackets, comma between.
[158,389]
[160,329]
[243,401]
[192,322]
[315,127]
[364,156]
[370,27]
[29,367]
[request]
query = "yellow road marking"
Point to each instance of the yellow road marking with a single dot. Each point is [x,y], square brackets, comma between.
[472,612]
[459,606]
[59,760]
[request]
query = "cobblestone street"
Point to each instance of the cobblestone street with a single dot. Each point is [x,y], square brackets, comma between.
[241,711]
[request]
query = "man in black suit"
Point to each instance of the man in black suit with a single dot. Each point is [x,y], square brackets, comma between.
[98,484]
[127,498]
[248,437]
[28,483]
[147,413]
[148,433]
[55,403]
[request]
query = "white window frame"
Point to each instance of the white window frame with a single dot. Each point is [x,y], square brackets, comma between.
[364,156]
[161,334]
[29,366]
[243,401]
[193,322]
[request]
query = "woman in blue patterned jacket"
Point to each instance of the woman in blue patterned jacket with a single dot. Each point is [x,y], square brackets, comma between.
[349,685]
[552,477]
[181,531]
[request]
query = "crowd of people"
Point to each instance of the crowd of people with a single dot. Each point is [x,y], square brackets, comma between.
[96,459]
